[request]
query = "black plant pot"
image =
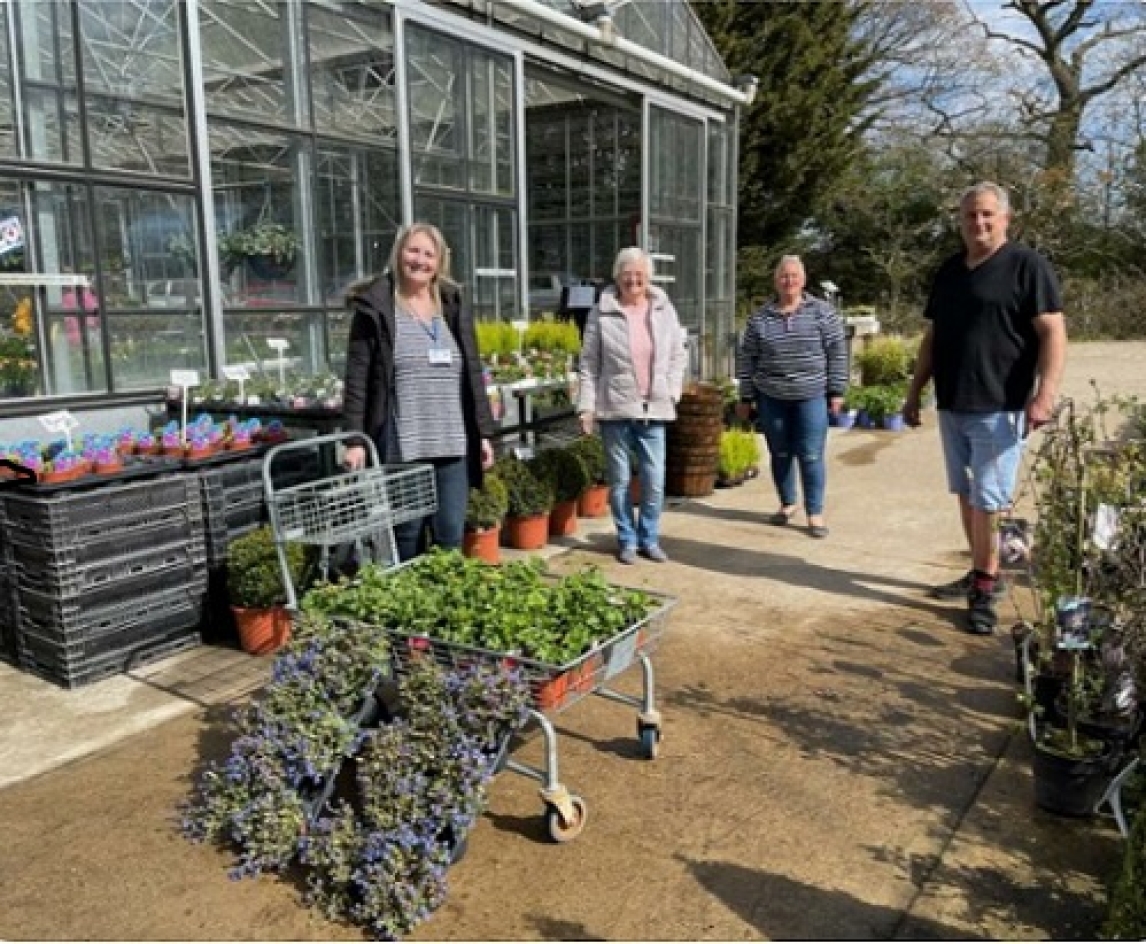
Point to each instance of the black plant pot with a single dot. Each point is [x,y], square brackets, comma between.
[1120,734]
[1069,786]
[1047,691]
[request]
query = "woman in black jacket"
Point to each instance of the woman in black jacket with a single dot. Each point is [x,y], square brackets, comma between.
[414,381]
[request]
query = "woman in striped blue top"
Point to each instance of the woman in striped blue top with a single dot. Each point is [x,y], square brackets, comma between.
[793,366]
[414,381]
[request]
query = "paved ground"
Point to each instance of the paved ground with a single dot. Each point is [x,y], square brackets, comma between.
[840,760]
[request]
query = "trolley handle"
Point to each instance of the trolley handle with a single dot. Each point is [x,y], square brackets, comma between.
[330,440]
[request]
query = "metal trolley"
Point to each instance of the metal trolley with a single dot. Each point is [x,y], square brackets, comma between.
[348,510]
[359,509]
[554,688]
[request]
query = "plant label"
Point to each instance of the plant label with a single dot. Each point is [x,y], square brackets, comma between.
[278,344]
[185,378]
[621,655]
[60,422]
[237,372]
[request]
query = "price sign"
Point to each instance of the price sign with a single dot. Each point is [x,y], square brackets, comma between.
[185,379]
[280,345]
[239,373]
[60,422]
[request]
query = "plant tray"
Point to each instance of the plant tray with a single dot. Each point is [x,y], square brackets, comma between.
[134,467]
[227,456]
[552,688]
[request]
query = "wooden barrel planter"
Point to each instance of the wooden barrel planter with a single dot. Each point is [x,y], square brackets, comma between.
[693,448]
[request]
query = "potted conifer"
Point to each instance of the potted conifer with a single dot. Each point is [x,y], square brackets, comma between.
[255,587]
[530,500]
[485,512]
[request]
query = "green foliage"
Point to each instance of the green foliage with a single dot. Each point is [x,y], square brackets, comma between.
[885,360]
[496,337]
[803,129]
[1126,916]
[267,239]
[592,452]
[528,495]
[487,506]
[254,579]
[878,401]
[542,336]
[512,608]
[563,470]
[739,452]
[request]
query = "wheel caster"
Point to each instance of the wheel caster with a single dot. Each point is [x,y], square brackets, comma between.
[566,830]
[650,737]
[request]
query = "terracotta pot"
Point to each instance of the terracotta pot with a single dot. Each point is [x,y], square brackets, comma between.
[527,534]
[51,478]
[108,468]
[483,545]
[594,502]
[262,631]
[563,519]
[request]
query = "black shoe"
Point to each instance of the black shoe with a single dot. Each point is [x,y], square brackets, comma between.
[958,589]
[981,616]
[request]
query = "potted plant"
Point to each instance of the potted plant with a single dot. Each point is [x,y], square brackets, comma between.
[255,588]
[485,511]
[593,501]
[739,452]
[530,500]
[269,248]
[568,477]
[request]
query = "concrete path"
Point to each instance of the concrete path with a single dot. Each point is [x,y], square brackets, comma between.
[841,761]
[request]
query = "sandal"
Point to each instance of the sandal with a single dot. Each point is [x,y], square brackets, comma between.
[781,517]
[818,530]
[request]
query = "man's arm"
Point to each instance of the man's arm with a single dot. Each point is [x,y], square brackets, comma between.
[1051,330]
[919,378]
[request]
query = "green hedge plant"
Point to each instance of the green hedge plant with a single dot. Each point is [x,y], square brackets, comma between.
[564,471]
[488,505]
[254,579]
[528,495]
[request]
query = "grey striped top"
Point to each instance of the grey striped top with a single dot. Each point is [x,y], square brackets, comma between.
[427,397]
[796,357]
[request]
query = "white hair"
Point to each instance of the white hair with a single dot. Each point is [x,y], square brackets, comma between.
[629,255]
[987,188]
[790,260]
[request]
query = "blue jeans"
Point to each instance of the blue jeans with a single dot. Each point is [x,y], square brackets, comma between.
[447,524]
[624,440]
[796,431]
[982,453]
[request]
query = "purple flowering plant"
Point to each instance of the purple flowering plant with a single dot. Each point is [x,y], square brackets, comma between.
[378,857]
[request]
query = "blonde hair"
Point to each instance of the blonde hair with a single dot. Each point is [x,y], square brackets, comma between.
[441,278]
[632,254]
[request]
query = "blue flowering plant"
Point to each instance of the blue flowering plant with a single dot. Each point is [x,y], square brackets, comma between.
[378,853]
[380,857]
[289,741]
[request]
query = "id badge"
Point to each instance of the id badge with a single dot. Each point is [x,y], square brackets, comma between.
[441,356]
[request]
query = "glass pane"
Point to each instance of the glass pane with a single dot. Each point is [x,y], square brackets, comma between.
[53,125]
[717,163]
[358,212]
[546,162]
[19,345]
[46,40]
[482,134]
[580,158]
[60,227]
[131,50]
[127,136]
[247,60]
[247,333]
[7,118]
[505,153]
[255,176]
[494,294]
[605,163]
[436,74]
[352,73]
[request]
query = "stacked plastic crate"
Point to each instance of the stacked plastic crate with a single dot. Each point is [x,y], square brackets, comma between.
[104,580]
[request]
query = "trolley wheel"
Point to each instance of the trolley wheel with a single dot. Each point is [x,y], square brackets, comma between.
[562,830]
[650,737]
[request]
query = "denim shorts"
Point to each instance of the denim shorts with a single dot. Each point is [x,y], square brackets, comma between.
[982,452]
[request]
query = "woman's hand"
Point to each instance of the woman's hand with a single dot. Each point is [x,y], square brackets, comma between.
[486,454]
[835,404]
[355,458]
[588,424]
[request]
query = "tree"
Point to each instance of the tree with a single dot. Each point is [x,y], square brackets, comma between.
[806,124]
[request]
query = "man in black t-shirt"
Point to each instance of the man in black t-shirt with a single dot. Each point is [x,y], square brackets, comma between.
[995,346]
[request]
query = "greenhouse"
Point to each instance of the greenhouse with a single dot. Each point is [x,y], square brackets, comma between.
[181,182]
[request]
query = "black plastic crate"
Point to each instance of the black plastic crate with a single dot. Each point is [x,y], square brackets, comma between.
[9,623]
[138,565]
[111,664]
[145,624]
[103,618]
[33,556]
[56,617]
[69,519]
